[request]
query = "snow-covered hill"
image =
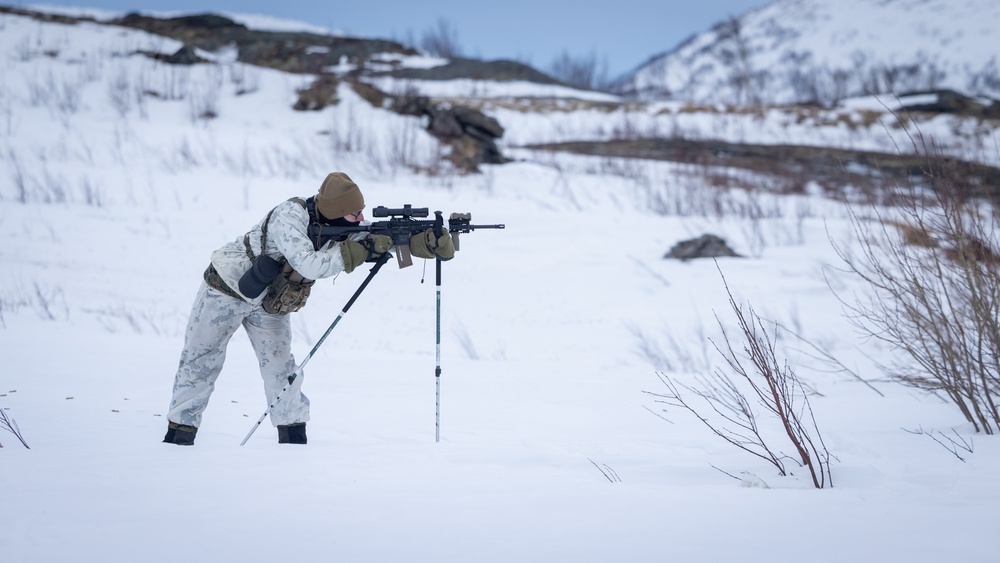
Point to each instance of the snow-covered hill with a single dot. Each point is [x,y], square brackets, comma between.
[120,174]
[826,50]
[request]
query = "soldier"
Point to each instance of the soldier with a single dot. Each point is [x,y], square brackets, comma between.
[254,282]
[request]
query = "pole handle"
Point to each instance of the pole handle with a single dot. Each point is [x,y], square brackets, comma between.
[438,223]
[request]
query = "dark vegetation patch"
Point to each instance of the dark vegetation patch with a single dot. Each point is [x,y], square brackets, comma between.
[499,70]
[797,165]
[289,51]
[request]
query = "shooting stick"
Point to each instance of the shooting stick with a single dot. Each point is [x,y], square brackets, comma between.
[437,368]
[298,371]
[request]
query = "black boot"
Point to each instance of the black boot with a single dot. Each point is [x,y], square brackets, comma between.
[292,433]
[180,434]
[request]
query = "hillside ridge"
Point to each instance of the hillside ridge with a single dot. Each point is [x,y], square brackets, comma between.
[822,51]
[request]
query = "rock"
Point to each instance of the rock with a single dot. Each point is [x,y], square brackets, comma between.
[206,21]
[470,133]
[477,124]
[705,246]
[949,101]
[186,55]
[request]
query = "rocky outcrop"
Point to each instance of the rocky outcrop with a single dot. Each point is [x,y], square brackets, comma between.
[288,51]
[471,134]
[949,101]
[186,55]
[705,246]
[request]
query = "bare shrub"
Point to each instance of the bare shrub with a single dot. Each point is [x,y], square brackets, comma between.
[50,303]
[736,55]
[7,109]
[402,145]
[935,288]
[40,90]
[344,133]
[182,157]
[674,355]
[441,40]
[23,51]
[582,71]
[610,474]
[953,445]
[730,403]
[244,78]
[205,95]
[9,425]
[466,342]
[93,193]
[67,97]
[174,81]
[18,177]
[139,321]
[120,91]
[46,187]
[142,91]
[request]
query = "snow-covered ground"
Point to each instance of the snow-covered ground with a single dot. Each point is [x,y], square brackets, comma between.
[111,204]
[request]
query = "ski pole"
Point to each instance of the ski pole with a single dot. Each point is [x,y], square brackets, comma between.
[438,222]
[296,375]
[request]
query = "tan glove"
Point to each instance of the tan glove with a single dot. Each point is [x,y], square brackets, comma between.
[356,253]
[426,245]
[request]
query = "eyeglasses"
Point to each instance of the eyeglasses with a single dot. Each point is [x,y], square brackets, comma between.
[355,217]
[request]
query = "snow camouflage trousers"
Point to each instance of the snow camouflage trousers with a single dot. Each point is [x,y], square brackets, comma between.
[215,317]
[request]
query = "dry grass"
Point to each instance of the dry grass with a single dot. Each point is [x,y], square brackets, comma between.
[915,235]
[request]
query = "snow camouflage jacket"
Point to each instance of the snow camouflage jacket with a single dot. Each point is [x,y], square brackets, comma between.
[286,237]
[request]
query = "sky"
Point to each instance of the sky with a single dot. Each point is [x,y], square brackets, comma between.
[621,35]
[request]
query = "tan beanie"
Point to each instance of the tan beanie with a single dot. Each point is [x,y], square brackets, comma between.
[339,196]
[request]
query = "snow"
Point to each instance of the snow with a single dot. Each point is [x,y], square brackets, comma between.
[75,11]
[271,23]
[111,205]
[408,61]
[465,87]
[931,44]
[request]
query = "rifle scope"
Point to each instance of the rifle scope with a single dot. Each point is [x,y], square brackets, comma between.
[406,211]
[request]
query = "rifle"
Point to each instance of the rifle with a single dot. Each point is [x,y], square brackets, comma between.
[401,225]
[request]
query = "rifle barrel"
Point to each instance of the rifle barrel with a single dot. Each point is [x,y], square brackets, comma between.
[474,227]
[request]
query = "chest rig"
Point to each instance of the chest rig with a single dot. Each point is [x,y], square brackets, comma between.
[289,290]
